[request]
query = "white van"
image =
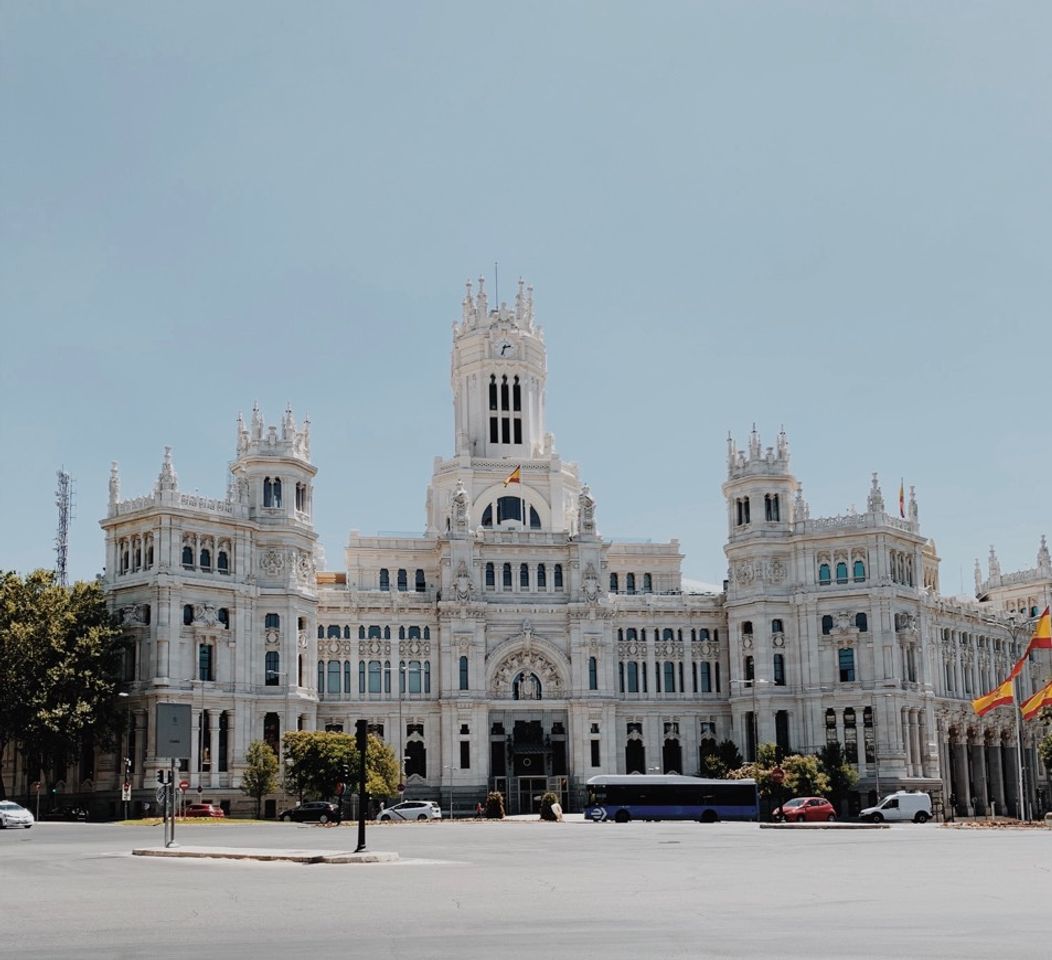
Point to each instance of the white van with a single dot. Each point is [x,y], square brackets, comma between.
[901,805]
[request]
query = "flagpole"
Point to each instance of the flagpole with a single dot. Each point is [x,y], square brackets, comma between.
[1018,749]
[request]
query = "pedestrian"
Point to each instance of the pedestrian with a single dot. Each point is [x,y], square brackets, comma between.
[478,810]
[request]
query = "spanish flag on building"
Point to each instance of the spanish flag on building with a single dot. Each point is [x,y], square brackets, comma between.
[1032,707]
[998,697]
[514,477]
[1041,640]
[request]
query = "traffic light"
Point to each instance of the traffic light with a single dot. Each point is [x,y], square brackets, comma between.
[127,767]
[160,777]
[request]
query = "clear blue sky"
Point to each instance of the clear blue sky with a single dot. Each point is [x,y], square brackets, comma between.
[824,215]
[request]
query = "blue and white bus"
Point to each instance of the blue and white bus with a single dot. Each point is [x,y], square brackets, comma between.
[622,798]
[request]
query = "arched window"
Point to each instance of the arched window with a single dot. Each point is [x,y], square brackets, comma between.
[414,676]
[593,673]
[542,577]
[321,674]
[535,520]
[223,617]
[703,635]
[387,632]
[493,392]
[421,582]
[333,685]
[361,632]
[841,572]
[506,576]
[427,633]
[188,557]
[346,632]
[524,576]
[401,633]
[668,634]
[361,676]
[206,559]
[464,673]
[859,571]
[776,626]
[403,581]
[414,633]
[271,668]
[487,516]
[385,579]
[823,574]
[633,676]
[750,668]
[862,622]
[188,615]
[268,492]
[613,583]
[277,492]
[670,677]
[706,677]
[374,676]
[516,395]
[630,583]
[272,621]
[648,583]
[509,508]
[504,405]
[149,556]
[631,634]
[491,580]
[827,625]
[779,670]
[427,676]
[558,576]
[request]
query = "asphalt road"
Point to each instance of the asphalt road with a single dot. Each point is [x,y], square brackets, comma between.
[502,891]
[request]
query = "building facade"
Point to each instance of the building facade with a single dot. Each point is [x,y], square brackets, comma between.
[510,646]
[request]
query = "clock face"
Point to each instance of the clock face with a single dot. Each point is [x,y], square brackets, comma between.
[505,349]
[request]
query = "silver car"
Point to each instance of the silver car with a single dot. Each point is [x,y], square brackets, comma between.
[12,815]
[411,810]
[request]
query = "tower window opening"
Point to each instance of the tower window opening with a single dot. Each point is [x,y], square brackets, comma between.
[493,392]
[505,430]
[516,395]
[504,404]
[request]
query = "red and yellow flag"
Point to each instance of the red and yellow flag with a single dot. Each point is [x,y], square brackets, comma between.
[514,477]
[1043,698]
[1041,640]
[998,697]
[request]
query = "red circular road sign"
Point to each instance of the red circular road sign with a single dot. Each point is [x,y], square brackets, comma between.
[184,785]
[401,788]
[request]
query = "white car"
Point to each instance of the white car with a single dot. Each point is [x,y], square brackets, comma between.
[411,810]
[12,815]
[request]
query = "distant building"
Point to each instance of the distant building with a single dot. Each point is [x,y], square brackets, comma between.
[509,646]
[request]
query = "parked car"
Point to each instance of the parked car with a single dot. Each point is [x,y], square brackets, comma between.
[14,815]
[204,810]
[805,810]
[317,810]
[411,810]
[901,805]
[66,813]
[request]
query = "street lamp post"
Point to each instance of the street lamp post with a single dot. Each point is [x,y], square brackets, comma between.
[755,719]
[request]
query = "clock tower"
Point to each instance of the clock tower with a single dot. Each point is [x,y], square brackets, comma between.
[498,377]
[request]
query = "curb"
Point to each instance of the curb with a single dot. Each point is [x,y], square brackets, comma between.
[287,856]
[825,826]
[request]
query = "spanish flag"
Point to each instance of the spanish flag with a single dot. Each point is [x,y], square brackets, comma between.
[1032,707]
[1041,640]
[902,499]
[998,697]
[514,477]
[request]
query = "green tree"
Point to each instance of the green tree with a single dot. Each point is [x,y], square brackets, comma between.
[60,660]
[804,777]
[762,770]
[261,772]
[315,761]
[717,760]
[1044,748]
[842,776]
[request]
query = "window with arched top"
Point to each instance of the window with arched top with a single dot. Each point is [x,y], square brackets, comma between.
[374,676]
[420,582]
[703,635]
[558,576]
[859,571]
[841,572]
[333,632]
[630,583]
[403,581]
[593,673]
[206,559]
[414,633]
[271,668]
[346,632]
[542,577]
[648,583]
[669,676]
[827,625]
[779,670]
[862,622]
[535,520]
[487,516]
[613,583]
[321,632]
[223,617]
[516,395]
[776,626]
[493,392]
[188,614]
[491,577]
[823,574]
[524,576]
[385,579]
[506,576]
[272,621]
[667,634]
[463,670]
[750,668]
[188,557]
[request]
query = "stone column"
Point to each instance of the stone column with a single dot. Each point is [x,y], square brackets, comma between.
[213,746]
[962,786]
[978,757]
[905,721]
[997,784]
[916,745]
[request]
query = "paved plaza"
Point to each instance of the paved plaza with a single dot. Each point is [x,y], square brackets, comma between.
[530,889]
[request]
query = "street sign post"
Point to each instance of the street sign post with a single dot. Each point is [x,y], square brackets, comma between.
[36,790]
[173,742]
[126,791]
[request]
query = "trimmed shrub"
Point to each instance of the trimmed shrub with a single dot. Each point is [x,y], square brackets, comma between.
[546,806]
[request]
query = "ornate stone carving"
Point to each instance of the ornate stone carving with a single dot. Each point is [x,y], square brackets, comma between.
[304,567]
[591,584]
[463,588]
[374,648]
[272,636]
[586,511]
[530,664]
[744,573]
[459,508]
[272,562]
[776,571]
[205,613]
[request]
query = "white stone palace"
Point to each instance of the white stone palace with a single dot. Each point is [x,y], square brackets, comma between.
[510,646]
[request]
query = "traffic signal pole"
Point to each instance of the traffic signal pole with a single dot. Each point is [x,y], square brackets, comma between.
[362,742]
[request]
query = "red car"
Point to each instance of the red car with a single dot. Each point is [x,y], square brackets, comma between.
[805,810]
[204,810]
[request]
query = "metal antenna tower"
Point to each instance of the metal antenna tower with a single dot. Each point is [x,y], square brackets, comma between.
[64,502]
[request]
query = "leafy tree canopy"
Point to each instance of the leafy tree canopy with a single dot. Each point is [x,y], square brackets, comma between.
[60,660]
[315,763]
[261,772]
